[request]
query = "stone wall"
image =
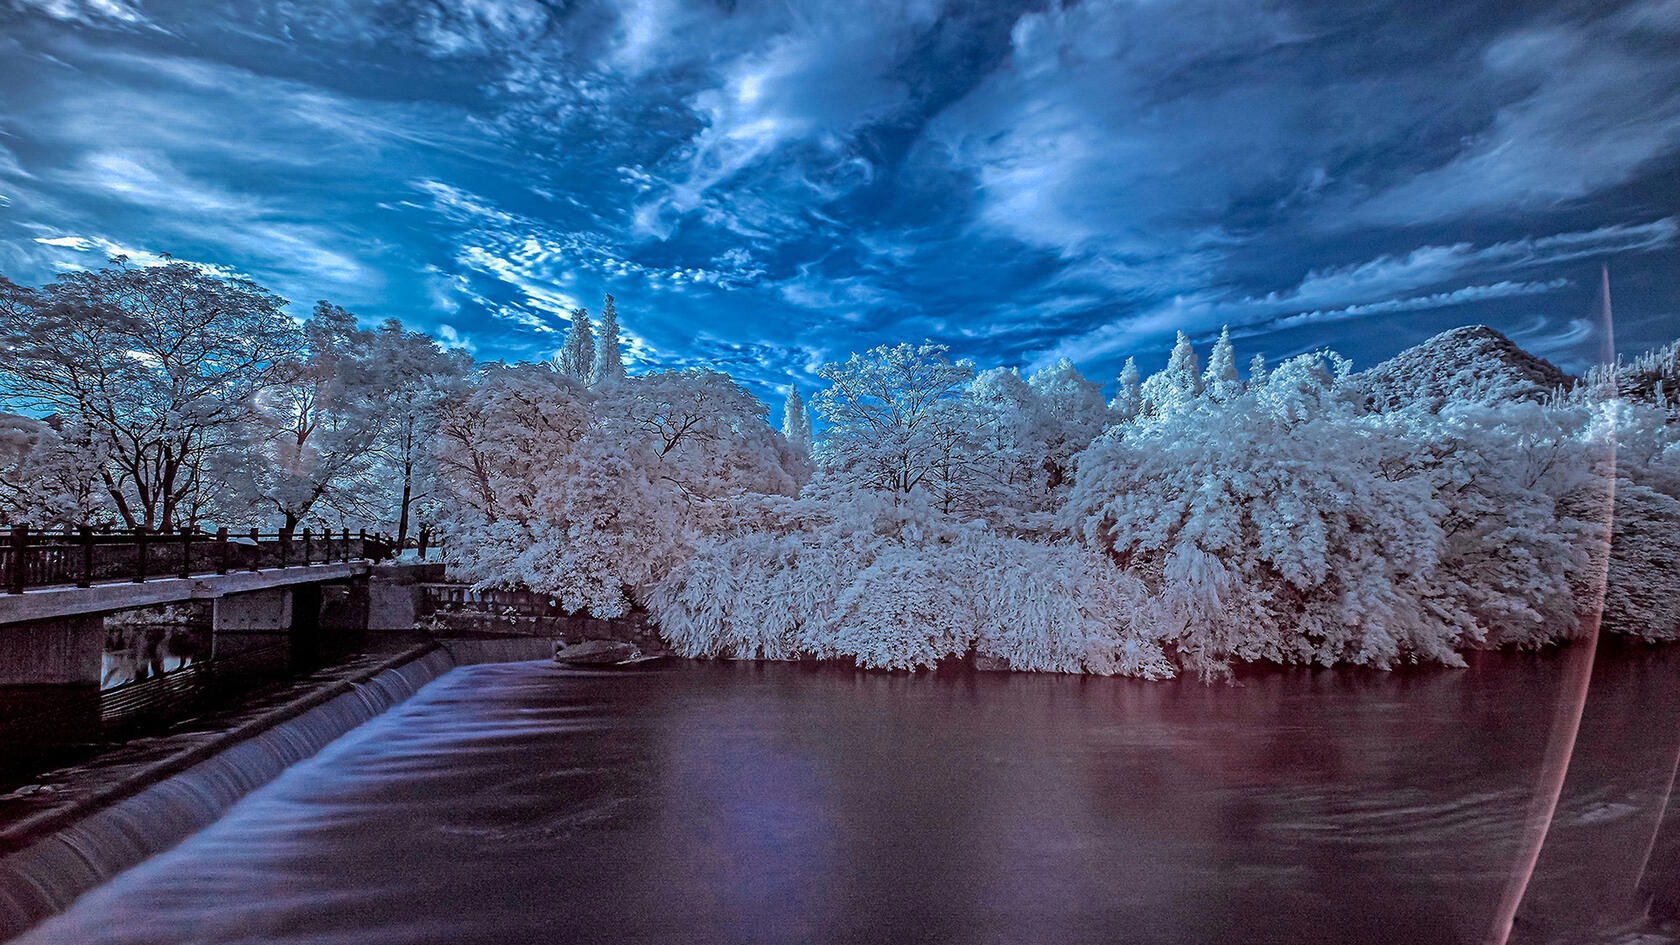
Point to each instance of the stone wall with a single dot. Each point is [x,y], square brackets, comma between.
[634,627]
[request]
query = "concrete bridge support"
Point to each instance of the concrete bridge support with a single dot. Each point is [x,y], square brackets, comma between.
[61,651]
[268,630]
[49,681]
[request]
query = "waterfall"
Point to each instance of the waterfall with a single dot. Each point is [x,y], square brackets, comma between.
[43,878]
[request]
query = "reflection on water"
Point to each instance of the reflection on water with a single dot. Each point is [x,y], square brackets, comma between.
[739,802]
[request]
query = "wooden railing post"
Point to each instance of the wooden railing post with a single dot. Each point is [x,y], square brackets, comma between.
[87,556]
[344,551]
[256,550]
[139,554]
[65,567]
[186,554]
[221,550]
[308,546]
[20,547]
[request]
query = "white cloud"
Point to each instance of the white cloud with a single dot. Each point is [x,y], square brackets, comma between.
[1077,149]
[1559,340]
[450,338]
[814,79]
[89,12]
[108,249]
[1602,106]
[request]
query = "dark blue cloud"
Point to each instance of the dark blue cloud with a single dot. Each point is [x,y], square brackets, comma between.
[765,186]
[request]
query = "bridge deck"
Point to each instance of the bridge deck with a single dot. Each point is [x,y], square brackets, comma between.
[49,603]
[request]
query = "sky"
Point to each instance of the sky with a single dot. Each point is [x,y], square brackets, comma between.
[766,186]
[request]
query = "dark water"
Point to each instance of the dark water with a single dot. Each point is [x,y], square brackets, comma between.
[739,802]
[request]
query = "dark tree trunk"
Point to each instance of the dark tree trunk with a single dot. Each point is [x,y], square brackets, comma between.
[402,515]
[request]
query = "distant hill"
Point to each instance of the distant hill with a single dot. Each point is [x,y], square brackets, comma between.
[1474,363]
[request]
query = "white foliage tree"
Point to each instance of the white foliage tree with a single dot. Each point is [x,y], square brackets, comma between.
[890,422]
[418,380]
[796,421]
[1073,413]
[609,361]
[313,436]
[1221,382]
[593,495]
[1128,399]
[576,358]
[1178,385]
[896,585]
[48,478]
[160,367]
[1513,552]
[1266,529]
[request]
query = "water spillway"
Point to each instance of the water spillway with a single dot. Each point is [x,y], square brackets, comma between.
[48,873]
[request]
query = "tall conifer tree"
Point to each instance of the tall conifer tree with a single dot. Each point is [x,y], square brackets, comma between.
[577,355]
[609,364]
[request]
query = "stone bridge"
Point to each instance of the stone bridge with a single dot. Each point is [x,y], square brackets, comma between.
[261,620]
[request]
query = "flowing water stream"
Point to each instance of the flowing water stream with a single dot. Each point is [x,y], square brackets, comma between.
[744,802]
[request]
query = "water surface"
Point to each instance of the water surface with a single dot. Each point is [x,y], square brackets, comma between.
[742,802]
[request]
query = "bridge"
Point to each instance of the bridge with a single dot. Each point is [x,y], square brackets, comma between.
[270,602]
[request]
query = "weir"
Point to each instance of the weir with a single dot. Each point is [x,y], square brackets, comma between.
[52,861]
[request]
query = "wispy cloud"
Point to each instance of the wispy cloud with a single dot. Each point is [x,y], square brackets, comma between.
[89,12]
[1385,285]
[1600,105]
[767,185]
[104,249]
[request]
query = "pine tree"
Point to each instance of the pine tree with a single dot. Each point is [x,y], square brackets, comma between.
[1177,385]
[1221,380]
[1257,371]
[1182,366]
[609,365]
[577,355]
[1128,399]
[796,420]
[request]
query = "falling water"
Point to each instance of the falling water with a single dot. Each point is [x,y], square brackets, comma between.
[47,876]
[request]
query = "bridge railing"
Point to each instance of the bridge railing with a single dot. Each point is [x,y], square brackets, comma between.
[84,556]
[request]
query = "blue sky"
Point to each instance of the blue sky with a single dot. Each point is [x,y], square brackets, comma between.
[767,186]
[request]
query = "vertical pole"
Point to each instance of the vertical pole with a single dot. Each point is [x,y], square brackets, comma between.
[221,550]
[63,566]
[285,547]
[308,546]
[361,547]
[345,551]
[186,553]
[256,548]
[139,554]
[20,545]
[87,556]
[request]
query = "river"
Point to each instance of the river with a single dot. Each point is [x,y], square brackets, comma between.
[747,802]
